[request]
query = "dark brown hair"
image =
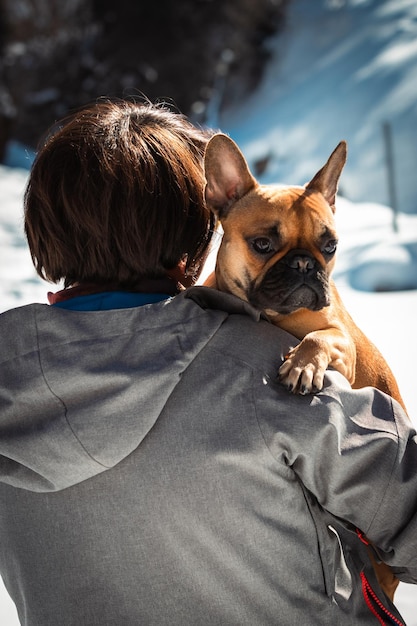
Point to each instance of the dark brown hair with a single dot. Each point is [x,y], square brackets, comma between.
[116,195]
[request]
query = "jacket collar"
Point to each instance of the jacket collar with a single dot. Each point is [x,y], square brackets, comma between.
[147,285]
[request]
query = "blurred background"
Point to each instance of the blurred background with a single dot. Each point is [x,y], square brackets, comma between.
[55,56]
[287,79]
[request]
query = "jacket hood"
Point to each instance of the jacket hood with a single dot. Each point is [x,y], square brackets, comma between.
[79,391]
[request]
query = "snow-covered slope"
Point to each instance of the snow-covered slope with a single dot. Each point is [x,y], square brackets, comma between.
[341,70]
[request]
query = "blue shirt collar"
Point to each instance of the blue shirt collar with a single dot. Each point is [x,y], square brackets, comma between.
[108,300]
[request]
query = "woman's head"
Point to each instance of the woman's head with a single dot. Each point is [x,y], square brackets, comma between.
[116,195]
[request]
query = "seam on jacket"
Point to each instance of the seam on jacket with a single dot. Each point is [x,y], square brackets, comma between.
[258,420]
[323,562]
[254,370]
[389,481]
[61,400]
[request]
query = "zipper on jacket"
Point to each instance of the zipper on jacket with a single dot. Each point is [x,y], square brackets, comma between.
[376,607]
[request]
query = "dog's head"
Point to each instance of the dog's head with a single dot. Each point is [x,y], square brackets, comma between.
[279,243]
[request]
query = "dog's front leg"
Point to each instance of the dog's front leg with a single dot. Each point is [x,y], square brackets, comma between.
[304,366]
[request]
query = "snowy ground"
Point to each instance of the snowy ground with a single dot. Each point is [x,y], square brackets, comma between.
[370,256]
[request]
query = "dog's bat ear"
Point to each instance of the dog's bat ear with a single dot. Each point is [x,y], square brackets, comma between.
[227,174]
[326,180]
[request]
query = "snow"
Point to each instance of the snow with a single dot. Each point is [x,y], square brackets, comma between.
[342,70]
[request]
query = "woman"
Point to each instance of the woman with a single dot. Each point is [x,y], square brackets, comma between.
[151,470]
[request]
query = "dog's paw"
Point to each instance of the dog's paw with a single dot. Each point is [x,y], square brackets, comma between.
[303,370]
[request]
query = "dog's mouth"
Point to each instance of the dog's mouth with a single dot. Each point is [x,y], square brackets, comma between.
[304,296]
[284,302]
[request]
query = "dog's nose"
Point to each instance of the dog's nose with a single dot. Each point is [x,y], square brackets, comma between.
[301,263]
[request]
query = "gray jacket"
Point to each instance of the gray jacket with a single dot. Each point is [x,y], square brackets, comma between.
[154,473]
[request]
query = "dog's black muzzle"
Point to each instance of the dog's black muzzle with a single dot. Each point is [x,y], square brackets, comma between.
[296,281]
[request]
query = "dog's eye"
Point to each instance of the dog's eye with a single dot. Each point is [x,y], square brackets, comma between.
[262,245]
[330,247]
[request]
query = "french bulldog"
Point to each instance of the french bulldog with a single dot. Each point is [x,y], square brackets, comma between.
[277,252]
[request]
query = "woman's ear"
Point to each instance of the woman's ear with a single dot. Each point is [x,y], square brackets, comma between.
[179,274]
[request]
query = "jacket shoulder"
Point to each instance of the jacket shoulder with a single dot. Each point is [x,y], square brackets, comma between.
[246,334]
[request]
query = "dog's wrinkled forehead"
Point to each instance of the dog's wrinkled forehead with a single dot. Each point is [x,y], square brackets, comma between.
[291,212]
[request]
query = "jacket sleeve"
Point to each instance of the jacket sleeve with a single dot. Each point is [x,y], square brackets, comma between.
[356,452]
